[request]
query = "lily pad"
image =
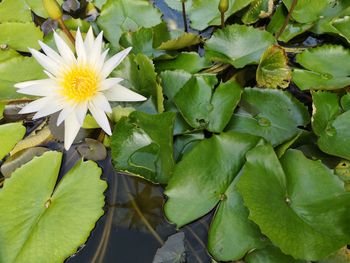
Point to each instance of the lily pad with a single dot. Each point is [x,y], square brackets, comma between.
[307,11]
[238,45]
[328,67]
[273,70]
[203,108]
[10,135]
[118,16]
[299,191]
[15,11]
[195,189]
[330,124]
[30,195]
[258,9]
[270,254]
[272,114]
[142,145]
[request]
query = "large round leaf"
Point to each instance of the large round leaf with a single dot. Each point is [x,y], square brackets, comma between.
[272,114]
[290,200]
[41,223]
[10,135]
[205,177]
[238,45]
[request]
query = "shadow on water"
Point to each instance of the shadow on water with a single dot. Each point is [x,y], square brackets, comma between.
[133,226]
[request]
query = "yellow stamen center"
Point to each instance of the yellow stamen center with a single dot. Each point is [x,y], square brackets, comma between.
[80,84]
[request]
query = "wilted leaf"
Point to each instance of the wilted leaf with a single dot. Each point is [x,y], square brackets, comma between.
[173,250]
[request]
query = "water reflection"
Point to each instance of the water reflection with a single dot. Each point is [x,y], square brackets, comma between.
[133,227]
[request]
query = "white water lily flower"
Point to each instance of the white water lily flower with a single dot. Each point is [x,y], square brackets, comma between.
[76,84]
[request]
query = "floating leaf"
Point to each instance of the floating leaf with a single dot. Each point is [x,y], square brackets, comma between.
[330,124]
[142,145]
[307,11]
[273,70]
[292,29]
[188,61]
[172,251]
[92,150]
[195,189]
[272,114]
[20,158]
[270,254]
[10,135]
[328,67]
[238,45]
[203,108]
[258,9]
[182,41]
[20,36]
[118,16]
[14,11]
[30,195]
[299,191]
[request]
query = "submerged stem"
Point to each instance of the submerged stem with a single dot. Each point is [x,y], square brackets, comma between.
[184,15]
[286,21]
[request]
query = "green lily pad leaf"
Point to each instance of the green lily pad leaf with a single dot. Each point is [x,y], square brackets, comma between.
[14,11]
[2,108]
[191,62]
[142,145]
[195,189]
[203,108]
[257,10]
[345,102]
[10,135]
[231,227]
[299,191]
[118,16]
[342,25]
[182,41]
[330,124]
[20,36]
[138,74]
[307,11]
[273,70]
[185,142]
[77,199]
[234,45]
[141,41]
[270,254]
[38,8]
[272,114]
[204,13]
[328,65]
[292,29]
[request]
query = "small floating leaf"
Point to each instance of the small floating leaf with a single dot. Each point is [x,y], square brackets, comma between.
[173,250]
[273,70]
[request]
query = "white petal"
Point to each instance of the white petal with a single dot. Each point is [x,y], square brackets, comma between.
[109,83]
[80,111]
[36,105]
[120,93]
[65,113]
[113,62]
[49,64]
[51,53]
[50,108]
[101,102]
[89,41]
[71,129]
[100,61]
[96,50]
[100,117]
[64,49]
[43,82]
[80,48]
[47,89]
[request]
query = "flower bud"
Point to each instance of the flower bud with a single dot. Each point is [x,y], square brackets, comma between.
[53,9]
[223,6]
